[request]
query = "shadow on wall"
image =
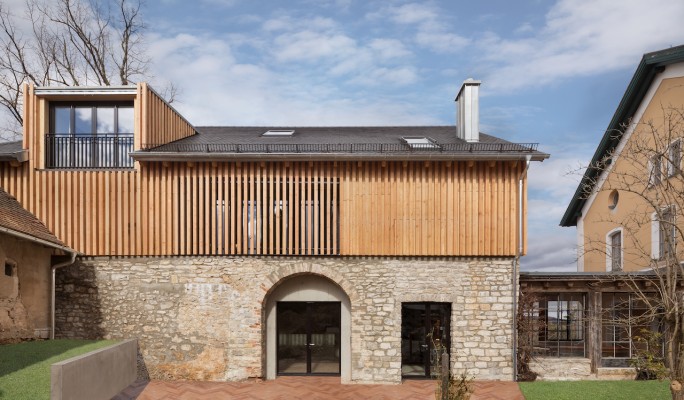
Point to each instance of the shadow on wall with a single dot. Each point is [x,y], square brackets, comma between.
[78,310]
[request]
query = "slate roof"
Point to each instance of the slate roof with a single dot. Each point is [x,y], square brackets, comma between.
[16,218]
[651,64]
[369,141]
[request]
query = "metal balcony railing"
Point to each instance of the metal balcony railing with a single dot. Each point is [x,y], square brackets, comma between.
[64,151]
[332,148]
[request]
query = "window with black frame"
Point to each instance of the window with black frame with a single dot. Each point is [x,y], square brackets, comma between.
[562,317]
[625,317]
[88,135]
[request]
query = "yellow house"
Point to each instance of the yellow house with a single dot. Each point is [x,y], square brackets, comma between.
[628,204]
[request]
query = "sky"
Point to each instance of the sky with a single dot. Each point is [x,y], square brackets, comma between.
[552,73]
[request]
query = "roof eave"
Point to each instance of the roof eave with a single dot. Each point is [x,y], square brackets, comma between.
[34,239]
[192,156]
[19,156]
[85,90]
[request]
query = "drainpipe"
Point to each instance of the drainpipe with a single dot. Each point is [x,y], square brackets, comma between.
[70,261]
[516,264]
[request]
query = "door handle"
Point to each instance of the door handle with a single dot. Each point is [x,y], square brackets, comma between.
[311,344]
[424,346]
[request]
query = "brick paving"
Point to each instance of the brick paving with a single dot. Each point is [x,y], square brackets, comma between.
[310,388]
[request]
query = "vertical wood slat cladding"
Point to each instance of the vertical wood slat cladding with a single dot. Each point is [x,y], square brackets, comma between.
[161,123]
[278,208]
[450,208]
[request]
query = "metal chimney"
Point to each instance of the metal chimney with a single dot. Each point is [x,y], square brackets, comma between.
[468,112]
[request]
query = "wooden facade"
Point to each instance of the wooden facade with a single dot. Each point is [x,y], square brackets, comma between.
[360,208]
[156,122]
[278,208]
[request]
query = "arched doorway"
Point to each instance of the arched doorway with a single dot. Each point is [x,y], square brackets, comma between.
[308,328]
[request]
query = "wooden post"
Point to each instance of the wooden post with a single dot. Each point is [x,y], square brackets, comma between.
[445,375]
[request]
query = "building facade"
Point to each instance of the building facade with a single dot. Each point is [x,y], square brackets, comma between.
[627,212]
[628,198]
[247,252]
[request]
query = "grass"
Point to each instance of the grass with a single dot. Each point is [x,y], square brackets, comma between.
[25,367]
[596,390]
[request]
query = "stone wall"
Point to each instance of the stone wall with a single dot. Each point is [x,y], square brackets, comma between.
[24,296]
[562,368]
[203,318]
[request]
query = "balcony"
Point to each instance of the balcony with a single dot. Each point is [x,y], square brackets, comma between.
[88,151]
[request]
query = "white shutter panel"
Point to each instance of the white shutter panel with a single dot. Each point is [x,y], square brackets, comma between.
[655,236]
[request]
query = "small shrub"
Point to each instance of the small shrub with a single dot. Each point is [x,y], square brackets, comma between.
[459,387]
[648,360]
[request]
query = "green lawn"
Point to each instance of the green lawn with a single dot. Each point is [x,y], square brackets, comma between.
[25,367]
[596,390]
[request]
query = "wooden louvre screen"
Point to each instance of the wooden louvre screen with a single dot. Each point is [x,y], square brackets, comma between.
[253,208]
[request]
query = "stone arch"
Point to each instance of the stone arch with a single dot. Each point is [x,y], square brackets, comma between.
[273,280]
[305,285]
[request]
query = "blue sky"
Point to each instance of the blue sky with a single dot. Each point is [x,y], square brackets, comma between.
[552,73]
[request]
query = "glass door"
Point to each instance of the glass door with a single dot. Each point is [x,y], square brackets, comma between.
[424,334]
[308,338]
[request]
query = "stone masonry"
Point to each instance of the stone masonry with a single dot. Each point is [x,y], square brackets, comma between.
[203,317]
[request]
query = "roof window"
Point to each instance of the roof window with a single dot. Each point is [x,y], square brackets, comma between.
[279,132]
[420,142]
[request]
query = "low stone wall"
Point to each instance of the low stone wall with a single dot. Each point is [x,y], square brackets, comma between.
[203,317]
[100,374]
[615,374]
[562,368]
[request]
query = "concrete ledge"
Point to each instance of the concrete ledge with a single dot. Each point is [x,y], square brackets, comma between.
[100,374]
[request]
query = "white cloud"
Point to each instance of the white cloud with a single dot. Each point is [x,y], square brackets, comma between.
[432,31]
[287,23]
[388,48]
[218,90]
[440,41]
[554,252]
[219,3]
[583,37]
[312,46]
[326,49]
[413,13]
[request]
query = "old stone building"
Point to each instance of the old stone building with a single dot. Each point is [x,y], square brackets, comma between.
[242,252]
[28,251]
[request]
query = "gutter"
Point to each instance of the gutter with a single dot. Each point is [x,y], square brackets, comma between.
[516,266]
[54,268]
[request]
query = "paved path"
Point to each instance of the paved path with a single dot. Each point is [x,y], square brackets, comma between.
[310,388]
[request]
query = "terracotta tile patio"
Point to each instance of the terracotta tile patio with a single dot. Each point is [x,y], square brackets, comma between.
[310,388]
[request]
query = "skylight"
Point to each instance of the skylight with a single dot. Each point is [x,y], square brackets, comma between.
[420,142]
[279,132]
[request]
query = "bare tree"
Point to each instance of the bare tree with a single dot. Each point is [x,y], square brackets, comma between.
[646,176]
[68,43]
